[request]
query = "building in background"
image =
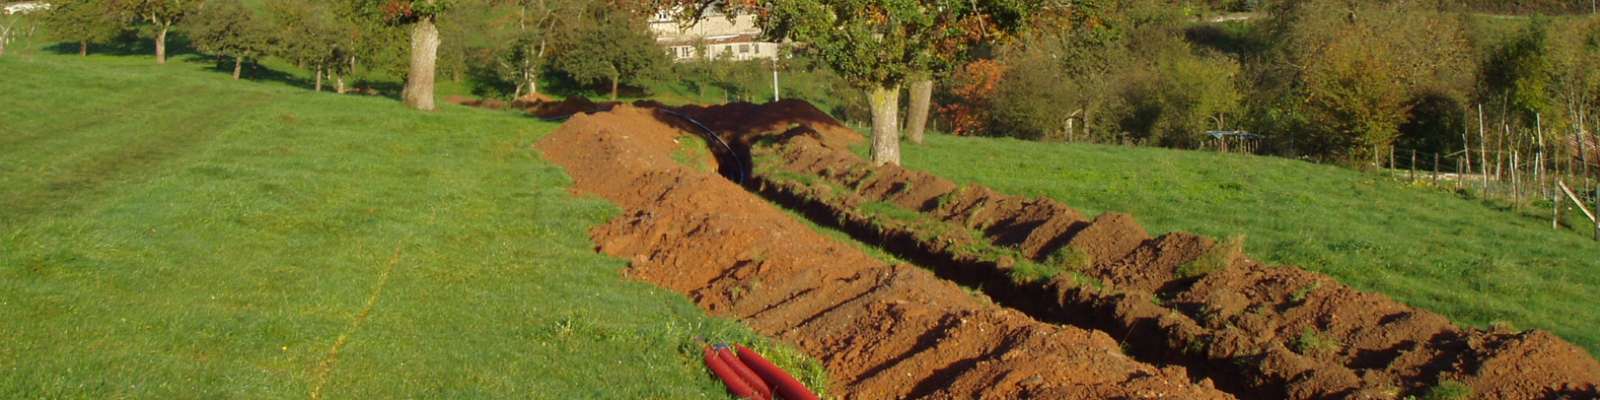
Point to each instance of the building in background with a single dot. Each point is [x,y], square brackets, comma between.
[715,35]
[24,7]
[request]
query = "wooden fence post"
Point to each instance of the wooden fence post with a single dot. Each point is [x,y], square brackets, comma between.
[1413,166]
[1436,169]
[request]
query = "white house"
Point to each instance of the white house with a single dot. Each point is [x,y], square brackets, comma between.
[26,7]
[718,35]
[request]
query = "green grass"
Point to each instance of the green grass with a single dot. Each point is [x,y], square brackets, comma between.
[169,233]
[1474,262]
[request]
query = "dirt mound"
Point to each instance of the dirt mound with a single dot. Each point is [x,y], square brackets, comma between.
[531,99]
[476,102]
[747,123]
[547,110]
[882,331]
[1260,331]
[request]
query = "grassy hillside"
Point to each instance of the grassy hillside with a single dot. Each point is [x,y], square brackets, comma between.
[170,233]
[1472,262]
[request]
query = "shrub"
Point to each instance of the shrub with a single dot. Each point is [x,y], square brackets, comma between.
[1448,390]
[1070,258]
[1311,342]
[1218,258]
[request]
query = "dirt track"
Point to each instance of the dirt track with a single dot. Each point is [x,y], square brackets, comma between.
[882,331]
[1258,331]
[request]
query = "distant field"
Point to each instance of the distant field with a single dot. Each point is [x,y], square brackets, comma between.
[166,232]
[1473,262]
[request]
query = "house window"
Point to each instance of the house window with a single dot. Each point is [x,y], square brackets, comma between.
[744,48]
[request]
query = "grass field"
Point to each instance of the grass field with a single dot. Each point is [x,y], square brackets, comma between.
[169,233]
[1475,263]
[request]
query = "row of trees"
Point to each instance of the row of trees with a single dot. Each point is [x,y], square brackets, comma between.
[1327,79]
[514,43]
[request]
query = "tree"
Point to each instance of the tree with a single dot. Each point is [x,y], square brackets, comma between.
[226,28]
[84,22]
[991,27]
[162,15]
[877,45]
[610,45]
[10,24]
[307,35]
[1347,74]
[538,25]
[422,17]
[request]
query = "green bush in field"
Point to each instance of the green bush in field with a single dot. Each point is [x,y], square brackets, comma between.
[1219,257]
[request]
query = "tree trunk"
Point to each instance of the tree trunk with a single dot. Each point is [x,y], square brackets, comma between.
[424,52]
[238,64]
[921,101]
[338,83]
[319,78]
[885,104]
[614,86]
[161,44]
[3,43]
[83,48]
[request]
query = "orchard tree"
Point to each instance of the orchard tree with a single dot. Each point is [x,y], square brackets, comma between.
[10,24]
[162,15]
[537,27]
[610,45]
[990,24]
[226,28]
[85,22]
[422,17]
[307,35]
[877,45]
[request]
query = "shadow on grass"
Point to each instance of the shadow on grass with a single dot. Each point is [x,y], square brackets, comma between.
[127,44]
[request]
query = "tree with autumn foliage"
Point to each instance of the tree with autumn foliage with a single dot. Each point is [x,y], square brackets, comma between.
[972,90]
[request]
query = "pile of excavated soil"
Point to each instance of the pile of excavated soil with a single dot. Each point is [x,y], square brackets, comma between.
[1260,331]
[745,123]
[566,108]
[882,331]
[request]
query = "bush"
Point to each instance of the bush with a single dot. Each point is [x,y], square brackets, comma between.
[1221,256]
[1448,390]
[1311,342]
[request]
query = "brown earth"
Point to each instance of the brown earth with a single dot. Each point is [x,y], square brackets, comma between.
[1260,331]
[538,106]
[881,330]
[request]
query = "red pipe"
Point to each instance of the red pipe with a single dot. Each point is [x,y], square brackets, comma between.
[762,391]
[786,386]
[736,385]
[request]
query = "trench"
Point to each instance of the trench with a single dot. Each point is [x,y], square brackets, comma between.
[737,164]
[881,330]
[1149,333]
[679,223]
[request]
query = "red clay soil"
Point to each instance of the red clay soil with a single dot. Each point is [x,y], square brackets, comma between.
[881,330]
[1261,331]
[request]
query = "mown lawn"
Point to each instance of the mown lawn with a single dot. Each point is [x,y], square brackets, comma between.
[166,232]
[1475,263]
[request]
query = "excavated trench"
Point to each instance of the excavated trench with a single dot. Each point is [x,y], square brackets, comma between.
[880,330]
[1072,292]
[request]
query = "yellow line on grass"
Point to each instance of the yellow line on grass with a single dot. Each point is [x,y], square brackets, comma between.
[324,371]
